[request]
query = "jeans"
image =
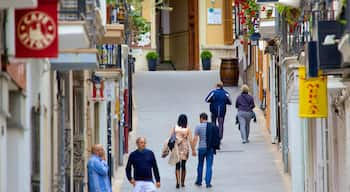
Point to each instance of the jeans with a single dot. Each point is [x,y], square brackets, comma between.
[220,124]
[209,156]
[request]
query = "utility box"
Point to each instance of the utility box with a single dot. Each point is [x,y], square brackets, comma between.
[329,55]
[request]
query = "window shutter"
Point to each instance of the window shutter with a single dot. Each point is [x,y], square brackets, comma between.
[228,22]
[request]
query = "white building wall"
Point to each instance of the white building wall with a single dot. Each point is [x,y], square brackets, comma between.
[3,149]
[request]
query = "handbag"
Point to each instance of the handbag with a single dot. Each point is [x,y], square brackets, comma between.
[172,140]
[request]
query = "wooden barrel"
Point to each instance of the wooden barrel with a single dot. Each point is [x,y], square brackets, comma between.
[229,71]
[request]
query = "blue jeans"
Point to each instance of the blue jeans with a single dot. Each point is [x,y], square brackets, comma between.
[209,156]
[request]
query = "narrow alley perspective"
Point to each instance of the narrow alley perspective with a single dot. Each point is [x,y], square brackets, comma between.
[174,95]
[160,98]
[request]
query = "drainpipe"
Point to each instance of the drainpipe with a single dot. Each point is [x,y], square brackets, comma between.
[109,141]
[61,98]
[284,116]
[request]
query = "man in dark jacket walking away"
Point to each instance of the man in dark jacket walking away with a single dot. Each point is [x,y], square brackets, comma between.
[209,141]
[142,161]
[218,100]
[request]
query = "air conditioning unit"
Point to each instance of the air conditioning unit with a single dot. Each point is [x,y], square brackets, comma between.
[329,55]
[344,48]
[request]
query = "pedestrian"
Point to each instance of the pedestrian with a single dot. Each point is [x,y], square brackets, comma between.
[142,161]
[218,99]
[98,178]
[209,140]
[183,137]
[245,105]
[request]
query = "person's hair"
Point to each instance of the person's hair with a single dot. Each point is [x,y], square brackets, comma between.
[220,85]
[140,138]
[182,121]
[245,88]
[203,116]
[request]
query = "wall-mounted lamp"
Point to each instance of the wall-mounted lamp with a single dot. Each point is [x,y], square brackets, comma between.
[212,1]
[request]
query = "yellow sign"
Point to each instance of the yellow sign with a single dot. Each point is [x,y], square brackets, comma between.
[312,96]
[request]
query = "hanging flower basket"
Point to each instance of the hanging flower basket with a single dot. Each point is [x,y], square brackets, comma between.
[249,14]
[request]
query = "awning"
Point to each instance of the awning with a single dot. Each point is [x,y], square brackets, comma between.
[74,61]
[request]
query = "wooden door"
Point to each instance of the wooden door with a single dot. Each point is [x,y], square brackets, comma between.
[193,36]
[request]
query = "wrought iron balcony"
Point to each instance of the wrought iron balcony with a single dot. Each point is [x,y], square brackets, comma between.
[72,10]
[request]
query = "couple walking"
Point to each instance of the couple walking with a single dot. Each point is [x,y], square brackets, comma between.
[142,161]
[219,98]
[207,136]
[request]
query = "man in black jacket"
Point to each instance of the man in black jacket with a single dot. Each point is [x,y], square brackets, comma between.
[209,141]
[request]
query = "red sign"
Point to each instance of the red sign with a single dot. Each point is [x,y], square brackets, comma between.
[37,31]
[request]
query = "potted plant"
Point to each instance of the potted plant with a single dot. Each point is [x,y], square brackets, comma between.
[152,58]
[206,59]
[291,15]
[269,13]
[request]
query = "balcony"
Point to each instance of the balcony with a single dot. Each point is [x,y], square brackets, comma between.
[18,4]
[79,24]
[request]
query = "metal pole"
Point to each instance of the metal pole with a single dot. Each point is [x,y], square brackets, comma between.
[109,141]
[130,62]
[284,118]
[62,184]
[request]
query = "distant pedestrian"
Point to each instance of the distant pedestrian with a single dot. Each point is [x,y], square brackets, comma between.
[183,137]
[98,179]
[245,105]
[209,140]
[142,161]
[218,99]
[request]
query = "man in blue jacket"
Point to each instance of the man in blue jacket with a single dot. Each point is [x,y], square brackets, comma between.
[98,180]
[218,99]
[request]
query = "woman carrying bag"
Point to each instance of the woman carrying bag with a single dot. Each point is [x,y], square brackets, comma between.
[183,137]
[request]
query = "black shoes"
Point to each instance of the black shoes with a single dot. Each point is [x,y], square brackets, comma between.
[198,184]
[177,186]
[209,186]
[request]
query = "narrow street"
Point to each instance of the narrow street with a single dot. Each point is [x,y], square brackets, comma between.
[161,96]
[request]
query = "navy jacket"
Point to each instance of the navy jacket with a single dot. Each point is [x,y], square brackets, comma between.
[142,162]
[218,100]
[245,102]
[212,137]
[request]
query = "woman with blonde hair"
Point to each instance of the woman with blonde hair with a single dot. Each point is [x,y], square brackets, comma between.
[245,105]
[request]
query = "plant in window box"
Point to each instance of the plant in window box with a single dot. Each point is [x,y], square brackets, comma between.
[291,15]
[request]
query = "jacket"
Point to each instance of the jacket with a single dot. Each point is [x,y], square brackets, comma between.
[212,137]
[245,102]
[218,100]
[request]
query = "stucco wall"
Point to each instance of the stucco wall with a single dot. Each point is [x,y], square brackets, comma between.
[215,33]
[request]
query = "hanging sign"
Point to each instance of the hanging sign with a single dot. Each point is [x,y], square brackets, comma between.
[313,96]
[36,31]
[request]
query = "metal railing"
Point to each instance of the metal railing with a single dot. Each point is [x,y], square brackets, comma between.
[72,10]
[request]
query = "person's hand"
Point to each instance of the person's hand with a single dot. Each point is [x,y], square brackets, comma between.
[158,184]
[103,155]
[132,182]
[194,153]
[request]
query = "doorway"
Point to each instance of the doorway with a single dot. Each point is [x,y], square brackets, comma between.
[177,33]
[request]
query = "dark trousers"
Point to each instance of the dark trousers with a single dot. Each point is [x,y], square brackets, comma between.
[218,121]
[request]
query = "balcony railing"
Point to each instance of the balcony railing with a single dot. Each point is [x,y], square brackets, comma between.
[72,10]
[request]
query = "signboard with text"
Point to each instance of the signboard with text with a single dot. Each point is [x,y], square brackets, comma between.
[36,31]
[312,96]
[214,16]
